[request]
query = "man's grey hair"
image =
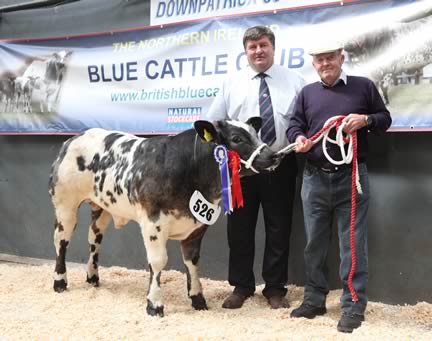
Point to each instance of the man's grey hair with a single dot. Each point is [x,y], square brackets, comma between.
[257,32]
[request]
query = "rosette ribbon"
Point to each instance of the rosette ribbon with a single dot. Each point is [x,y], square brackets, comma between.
[221,157]
[236,192]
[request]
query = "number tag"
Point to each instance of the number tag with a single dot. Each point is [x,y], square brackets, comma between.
[204,211]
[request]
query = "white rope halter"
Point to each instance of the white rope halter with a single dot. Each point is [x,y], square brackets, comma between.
[248,163]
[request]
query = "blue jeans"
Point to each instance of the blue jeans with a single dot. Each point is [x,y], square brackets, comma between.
[327,196]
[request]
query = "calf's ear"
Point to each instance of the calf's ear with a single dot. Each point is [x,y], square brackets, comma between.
[206,131]
[255,122]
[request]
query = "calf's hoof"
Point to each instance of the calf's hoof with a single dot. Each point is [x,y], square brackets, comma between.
[199,302]
[93,280]
[60,285]
[154,311]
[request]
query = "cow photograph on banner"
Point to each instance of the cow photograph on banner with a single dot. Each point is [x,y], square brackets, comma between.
[160,79]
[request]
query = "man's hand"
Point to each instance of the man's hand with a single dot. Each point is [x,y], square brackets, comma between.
[354,122]
[303,144]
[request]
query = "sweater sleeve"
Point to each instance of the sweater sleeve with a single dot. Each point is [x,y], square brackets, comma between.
[381,119]
[297,123]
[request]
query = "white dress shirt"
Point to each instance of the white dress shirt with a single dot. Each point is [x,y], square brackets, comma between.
[238,98]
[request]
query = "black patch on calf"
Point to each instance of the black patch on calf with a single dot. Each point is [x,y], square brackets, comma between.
[230,133]
[81,163]
[127,146]
[158,278]
[110,139]
[94,228]
[94,280]
[99,238]
[158,228]
[154,214]
[102,181]
[95,214]
[153,311]
[199,302]
[107,160]
[188,280]
[60,286]
[151,278]
[95,190]
[94,164]
[119,171]
[166,170]
[60,267]
[58,226]
[118,189]
[153,238]
[195,259]
[111,197]
[192,245]
[129,189]
[92,248]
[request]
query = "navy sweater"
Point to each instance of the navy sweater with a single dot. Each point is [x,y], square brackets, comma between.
[316,103]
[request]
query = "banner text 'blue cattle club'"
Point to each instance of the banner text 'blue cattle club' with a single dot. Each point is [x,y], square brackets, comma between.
[180,67]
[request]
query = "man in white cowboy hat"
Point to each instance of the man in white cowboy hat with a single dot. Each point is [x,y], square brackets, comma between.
[326,189]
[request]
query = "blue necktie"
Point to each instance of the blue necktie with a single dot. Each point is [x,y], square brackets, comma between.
[268,131]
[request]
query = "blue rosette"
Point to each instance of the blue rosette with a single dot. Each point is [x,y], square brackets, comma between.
[221,156]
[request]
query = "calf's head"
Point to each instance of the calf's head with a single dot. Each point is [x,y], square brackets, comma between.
[243,138]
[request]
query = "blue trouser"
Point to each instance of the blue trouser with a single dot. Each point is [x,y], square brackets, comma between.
[326,196]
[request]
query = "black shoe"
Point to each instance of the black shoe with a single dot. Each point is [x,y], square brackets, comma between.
[308,311]
[348,322]
[234,301]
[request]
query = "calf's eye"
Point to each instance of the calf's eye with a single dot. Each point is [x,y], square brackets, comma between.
[236,139]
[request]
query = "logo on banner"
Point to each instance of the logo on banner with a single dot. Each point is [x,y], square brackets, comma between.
[183,117]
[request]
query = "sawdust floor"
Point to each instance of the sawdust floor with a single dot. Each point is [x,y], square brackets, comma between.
[31,310]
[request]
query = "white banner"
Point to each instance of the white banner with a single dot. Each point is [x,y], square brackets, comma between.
[160,80]
[170,11]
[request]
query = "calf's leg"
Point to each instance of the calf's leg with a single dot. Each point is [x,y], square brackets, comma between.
[99,222]
[191,252]
[63,230]
[157,257]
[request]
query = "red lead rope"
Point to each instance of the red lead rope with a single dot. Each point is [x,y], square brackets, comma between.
[236,192]
[353,201]
[353,218]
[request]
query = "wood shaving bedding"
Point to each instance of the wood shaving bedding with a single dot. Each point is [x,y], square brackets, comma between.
[31,310]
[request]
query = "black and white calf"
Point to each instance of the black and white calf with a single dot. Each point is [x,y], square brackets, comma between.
[54,72]
[151,181]
[7,93]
